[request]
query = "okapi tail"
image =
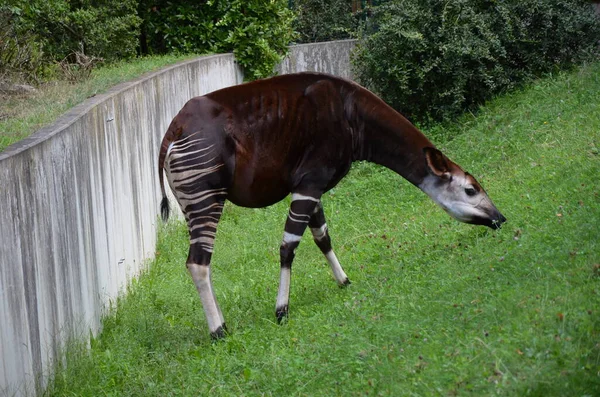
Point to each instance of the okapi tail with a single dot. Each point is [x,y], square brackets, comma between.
[164,204]
[164,209]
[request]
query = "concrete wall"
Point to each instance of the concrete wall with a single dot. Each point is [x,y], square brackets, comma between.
[79,205]
[78,211]
[330,57]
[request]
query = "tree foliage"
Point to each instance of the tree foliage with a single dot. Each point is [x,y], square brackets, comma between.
[108,29]
[432,59]
[21,56]
[322,20]
[257,32]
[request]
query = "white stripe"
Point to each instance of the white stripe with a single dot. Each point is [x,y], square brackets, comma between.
[199,197]
[290,238]
[209,217]
[217,205]
[205,224]
[206,241]
[299,215]
[193,175]
[190,136]
[292,217]
[179,147]
[185,154]
[183,145]
[319,232]
[169,149]
[182,141]
[201,277]
[300,197]
[181,169]
[338,272]
[283,294]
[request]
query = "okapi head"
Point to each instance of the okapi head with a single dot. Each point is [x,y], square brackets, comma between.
[457,192]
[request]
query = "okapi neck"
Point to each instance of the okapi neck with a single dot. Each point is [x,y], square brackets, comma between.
[390,140]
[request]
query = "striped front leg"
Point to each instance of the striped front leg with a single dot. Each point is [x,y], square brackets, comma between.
[318,227]
[300,213]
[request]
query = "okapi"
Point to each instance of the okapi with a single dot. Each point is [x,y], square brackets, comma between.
[255,143]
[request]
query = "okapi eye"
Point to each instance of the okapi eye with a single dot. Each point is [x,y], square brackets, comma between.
[470,191]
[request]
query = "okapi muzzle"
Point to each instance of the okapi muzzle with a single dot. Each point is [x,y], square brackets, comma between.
[256,143]
[457,192]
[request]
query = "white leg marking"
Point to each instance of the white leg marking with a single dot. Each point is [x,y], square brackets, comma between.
[299,218]
[207,242]
[201,276]
[212,222]
[319,232]
[298,196]
[338,272]
[283,295]
[290,238]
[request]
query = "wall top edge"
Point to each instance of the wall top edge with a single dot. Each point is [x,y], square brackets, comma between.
[320,43]
[78,111]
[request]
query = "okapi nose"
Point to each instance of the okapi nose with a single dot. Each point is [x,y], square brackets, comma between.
[497,223]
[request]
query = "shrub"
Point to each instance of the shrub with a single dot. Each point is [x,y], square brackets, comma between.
[20,51]
[186,26]
[321,20]
[432,59]
[107,29]
[257,32]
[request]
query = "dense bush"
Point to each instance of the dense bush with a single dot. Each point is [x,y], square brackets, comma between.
[106,29]
[21,57]
[257,32]
[432,59]
[322,20]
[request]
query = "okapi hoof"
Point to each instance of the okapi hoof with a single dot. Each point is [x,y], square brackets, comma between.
[345,283]
[220,333]
[281,314]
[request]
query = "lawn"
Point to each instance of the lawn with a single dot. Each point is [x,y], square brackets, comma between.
[435,307]
[21,116]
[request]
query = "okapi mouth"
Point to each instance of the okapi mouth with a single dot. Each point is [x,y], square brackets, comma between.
[489,222]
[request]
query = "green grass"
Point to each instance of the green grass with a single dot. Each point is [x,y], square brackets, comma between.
[435,307]
[20,116]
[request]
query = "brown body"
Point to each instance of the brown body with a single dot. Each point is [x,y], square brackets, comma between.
[255,143]
[276,132]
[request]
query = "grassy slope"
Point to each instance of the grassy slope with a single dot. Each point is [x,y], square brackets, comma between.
[21,116]
[435,308]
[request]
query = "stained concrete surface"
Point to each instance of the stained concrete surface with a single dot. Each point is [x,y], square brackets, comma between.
[79,203]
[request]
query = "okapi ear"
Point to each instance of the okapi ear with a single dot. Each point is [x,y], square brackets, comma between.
[437,162]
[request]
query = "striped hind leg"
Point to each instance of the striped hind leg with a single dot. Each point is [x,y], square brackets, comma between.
[318,227]
[197,178]
[203,226]
[301,208]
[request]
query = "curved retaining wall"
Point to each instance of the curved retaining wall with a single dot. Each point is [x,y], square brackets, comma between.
[331,57]
[79,204]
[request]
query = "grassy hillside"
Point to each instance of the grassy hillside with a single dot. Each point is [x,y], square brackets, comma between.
[22,115]
[435,307]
